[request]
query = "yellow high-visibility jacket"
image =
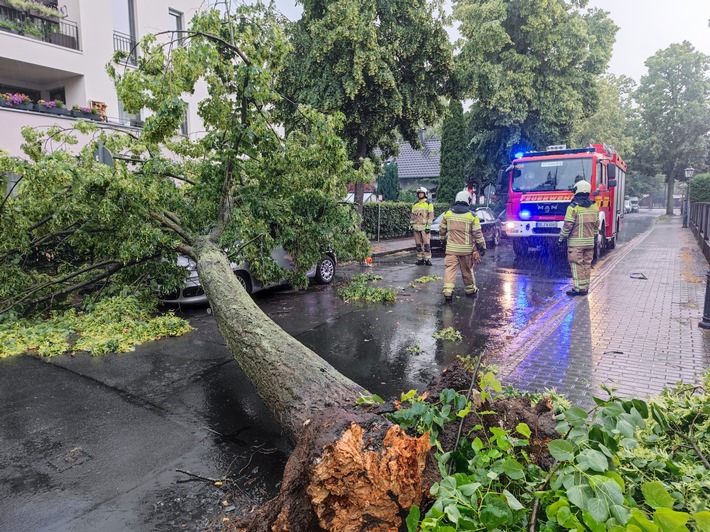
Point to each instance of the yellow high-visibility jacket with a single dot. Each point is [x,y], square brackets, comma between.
[422,215]
[461,228]
[581,225]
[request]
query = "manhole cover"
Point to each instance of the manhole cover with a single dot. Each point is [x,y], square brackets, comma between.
[70,459]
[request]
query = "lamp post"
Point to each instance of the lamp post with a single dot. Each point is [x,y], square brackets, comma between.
[689,173]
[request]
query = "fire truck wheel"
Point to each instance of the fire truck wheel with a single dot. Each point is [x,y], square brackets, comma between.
[520,247]
[611,244]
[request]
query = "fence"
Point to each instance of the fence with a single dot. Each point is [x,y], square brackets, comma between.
[60,32]
[699,223]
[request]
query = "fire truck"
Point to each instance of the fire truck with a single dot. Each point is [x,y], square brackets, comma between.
[539,186]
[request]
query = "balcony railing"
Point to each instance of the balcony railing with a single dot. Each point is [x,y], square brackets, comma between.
[60,32]
[125,43]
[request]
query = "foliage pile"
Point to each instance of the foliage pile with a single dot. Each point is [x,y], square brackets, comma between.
[359,289]
[625,465]
[449,333]
[115,324]
[425,279]
[700,188]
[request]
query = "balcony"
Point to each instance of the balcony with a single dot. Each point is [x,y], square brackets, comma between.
[125,43]
[51,30]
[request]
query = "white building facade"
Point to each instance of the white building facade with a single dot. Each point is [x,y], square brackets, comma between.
[48,57]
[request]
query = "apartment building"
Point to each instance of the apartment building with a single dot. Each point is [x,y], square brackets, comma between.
[58,50]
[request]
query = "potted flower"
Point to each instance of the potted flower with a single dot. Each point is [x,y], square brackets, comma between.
[18,101]
[85,112]
[54,107]
[11,26]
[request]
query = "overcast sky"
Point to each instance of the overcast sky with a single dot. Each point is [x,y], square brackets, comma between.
[645,26]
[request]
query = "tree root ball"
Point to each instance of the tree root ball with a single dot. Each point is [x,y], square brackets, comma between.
[349,472]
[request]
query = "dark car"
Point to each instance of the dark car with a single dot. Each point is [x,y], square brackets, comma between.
[490,225]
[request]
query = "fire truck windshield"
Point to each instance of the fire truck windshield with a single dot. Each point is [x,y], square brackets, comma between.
[559,174]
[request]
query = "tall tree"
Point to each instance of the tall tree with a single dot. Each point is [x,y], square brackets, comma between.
[531,67]
[612,122]
[453,154]
[388,183]
[675,114]
[382,63]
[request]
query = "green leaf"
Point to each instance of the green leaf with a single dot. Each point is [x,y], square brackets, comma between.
[613,409]
[598,509]
[578,495]
[551,511]
[576,416]
[513,469]
[561,450]
[670,521]
[593,459]
[641,407]
[702,520]
[413,518]
[514,503]
[592,523]
[452,513]
[640,519]
[523,429]
[656,495]
[495,512]
[610,490]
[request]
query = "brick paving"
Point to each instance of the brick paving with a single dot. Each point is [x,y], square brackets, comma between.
[635,335]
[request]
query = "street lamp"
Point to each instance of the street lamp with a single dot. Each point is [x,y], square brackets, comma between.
[689,173]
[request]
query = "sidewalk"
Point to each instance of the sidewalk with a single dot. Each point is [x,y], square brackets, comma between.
[637,331]
[387,247]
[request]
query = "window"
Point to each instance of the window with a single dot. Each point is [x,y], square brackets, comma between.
[175,24]
[128,119]
[124,29]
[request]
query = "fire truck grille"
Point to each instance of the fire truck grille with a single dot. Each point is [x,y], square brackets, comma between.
[539,208]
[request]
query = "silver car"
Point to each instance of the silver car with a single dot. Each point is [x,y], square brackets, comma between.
[192,292]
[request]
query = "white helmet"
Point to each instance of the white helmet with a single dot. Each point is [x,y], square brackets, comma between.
[582,187]
[422,189]
[463,196]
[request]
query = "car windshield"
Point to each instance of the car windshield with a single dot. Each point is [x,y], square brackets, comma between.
[562,174]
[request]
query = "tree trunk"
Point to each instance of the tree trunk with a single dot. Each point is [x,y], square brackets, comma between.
[351,470]
[294,382]
[669,196]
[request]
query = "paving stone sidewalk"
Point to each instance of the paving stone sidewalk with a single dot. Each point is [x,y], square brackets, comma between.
[637,331]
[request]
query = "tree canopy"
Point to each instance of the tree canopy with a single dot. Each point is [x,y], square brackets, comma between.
[382,63]
[453,154]
[388,183]
[233,194]
[531,67]
[675,114]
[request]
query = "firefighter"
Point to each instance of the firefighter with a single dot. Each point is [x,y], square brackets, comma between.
[421,219]
[580,229]
[461,228]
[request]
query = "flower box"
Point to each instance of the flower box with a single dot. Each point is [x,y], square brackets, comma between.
[22,106]
[52,110]
[85,115]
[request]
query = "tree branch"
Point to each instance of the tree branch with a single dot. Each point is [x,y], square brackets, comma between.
[170,224]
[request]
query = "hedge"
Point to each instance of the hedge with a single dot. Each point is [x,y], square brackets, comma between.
[700,188]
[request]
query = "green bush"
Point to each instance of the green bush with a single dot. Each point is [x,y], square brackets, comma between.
[700,188]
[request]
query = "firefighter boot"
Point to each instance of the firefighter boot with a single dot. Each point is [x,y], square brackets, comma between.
[448,299]
[420,262]
[428,262]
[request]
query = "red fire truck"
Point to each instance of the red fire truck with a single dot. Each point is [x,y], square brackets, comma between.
[539,186]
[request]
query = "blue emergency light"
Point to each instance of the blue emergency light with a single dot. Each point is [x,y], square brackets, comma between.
[524,215]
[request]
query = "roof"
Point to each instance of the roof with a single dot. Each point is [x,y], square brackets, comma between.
[419,164]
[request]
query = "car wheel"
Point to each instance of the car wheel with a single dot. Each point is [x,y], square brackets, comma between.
[496,238]
[244,280]
[325,272]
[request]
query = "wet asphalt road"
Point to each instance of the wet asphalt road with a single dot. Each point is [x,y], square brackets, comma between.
[95,443]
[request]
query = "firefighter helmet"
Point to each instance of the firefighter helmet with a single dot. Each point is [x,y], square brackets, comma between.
[463,196]
[422,189]
[582,187]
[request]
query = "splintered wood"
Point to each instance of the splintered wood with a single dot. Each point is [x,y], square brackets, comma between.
[360,484]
